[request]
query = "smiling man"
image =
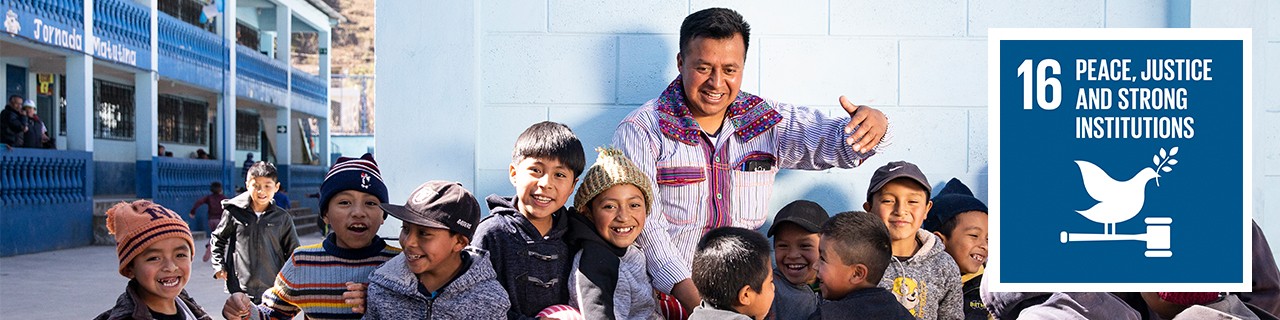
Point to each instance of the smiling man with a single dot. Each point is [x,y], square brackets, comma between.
[712,151]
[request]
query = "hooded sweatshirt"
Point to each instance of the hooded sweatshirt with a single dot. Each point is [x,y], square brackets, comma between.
[473,294]
[250,248]
[793,301]
[532,268]
[607,282]
[927,283]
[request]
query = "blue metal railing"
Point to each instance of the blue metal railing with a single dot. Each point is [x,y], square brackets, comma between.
[185,178]
[36,176]
[309,85]
[67,12]
[123,21]
[305,180]
[189,44]
[257,66]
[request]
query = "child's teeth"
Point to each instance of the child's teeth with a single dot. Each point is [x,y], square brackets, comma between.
[623,230]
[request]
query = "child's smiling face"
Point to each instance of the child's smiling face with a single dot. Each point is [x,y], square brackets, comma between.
[795,251]
[162,270]
[619,214]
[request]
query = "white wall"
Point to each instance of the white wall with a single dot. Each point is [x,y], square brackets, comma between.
[493,67]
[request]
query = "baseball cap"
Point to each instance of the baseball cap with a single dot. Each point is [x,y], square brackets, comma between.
[441,205]
[804,213]
[894,170]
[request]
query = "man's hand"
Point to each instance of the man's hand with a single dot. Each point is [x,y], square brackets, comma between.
[355,296]
[237,306]
[870,123]
[220,275]
[687,294]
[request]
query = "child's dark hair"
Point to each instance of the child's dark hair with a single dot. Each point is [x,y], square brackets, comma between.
[215,187]
[550,140]
[263,169]
[727,259]
[860,237]
[714,23]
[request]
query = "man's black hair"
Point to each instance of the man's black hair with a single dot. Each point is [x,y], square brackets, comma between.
[550,140]
[714,23]
[860,237]
[263,169]
[727,259]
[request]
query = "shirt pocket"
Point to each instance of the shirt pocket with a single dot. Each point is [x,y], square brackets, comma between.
[752,189]
[683,188]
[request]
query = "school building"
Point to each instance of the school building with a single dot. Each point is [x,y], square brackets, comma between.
[113,80]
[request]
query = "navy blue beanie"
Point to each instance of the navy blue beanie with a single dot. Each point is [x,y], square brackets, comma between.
[954,199]
[359,174]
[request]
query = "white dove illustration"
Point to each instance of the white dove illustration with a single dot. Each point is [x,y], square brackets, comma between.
[1118,201]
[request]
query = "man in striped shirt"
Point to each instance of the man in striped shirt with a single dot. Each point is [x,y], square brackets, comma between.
[712,151]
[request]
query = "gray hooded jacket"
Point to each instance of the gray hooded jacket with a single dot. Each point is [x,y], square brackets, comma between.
[475,294]
[927,283]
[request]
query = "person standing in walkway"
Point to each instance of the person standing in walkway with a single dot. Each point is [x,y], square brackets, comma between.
[12,123]
[214,212]
[254,237]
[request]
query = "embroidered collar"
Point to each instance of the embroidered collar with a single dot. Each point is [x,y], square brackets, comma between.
[750,115]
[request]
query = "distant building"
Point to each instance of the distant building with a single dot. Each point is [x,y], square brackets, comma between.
[113,79]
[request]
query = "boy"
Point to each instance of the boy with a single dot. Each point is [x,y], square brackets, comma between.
[155,247]
[795,251]
[435,277]
[350,201]
[524,233]
[854,254]
[214,202]
[923,277]
[960,220]
[609,280]
[255,237]
[732,271]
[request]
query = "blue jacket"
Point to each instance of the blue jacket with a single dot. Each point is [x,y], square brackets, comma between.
[533,269]
[866,303]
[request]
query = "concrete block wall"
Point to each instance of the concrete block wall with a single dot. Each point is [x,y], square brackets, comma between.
[589,63]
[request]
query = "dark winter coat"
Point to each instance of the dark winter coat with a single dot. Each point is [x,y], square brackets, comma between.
[532,268]
[252,249]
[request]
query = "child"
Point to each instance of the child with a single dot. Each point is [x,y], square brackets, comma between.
[923,277]
[254,238]
[155,246]
[435,277]
[609,280]
[854,254]
[523,233]
[795,251]
[732,271]
[214,202]
[960,220]
[350,201]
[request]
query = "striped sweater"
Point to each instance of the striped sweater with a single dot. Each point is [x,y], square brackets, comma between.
[314,278]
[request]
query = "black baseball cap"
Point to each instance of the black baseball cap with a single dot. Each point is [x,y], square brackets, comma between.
[441,205]
[804,213]
[894,170]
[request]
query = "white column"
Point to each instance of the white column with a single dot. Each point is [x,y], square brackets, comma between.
[80,91]
[145,97]
[325,36]
[284,49]
[227,102]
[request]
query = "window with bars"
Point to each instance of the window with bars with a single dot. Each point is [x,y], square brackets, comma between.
[247,127]
[185,10]
[182,120]
[113,110]
[247,36]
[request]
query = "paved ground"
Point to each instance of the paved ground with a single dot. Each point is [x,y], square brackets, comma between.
[82,282]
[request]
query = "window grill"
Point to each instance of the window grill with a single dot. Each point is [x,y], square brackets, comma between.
[113,110]
[247,127]
[186,10]
[182,120]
